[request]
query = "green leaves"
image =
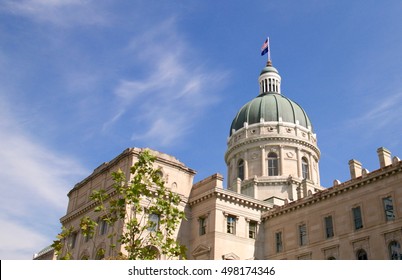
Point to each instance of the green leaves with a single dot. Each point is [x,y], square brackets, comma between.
[135,199]
[61,246]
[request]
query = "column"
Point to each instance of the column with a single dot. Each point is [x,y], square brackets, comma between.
[281,160]
[263,162]
[245,165]
[299,167]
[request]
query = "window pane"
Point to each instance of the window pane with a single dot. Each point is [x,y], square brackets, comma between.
[103,228]
[153,220]
[395,252]
[252,229]
[231,225]
[203,226]
[273,164]
[278,241]
[73,239]
[357,217]
[305,171]
[240,171]
[329,229]
[302,235]
[388,208]
[361,255]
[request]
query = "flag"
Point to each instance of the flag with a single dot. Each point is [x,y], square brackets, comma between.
[265,47]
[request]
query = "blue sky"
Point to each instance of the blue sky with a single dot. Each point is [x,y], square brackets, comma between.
[80,81]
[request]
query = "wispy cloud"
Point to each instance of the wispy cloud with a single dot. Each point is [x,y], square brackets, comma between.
[173,93]
[34,183]
[59,12]
[19,241]
[384,112]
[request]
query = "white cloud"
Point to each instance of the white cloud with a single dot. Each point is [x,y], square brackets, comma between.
[384,112]
[173,93]
[18,241]
[59,12]
[34,183]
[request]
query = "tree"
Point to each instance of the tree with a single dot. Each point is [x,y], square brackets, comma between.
[148,210]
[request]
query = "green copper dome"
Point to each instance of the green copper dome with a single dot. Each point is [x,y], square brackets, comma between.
[270,107]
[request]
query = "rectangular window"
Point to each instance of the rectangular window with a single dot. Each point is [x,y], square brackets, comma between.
[103,227]
[202,225]
[329,227]
[231,224]
[87,238]
[302,234]
[388,208]
[252,229]
[357,217]
[153,222]
[278,241]
[73,239]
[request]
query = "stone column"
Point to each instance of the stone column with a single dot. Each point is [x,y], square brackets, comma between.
[281,160]
[299,167]
[263,162]
[245,165]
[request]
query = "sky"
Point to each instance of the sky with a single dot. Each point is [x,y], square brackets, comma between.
[81,81]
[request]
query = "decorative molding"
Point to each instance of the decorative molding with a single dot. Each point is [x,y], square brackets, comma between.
[290,154]
[279,139]
[230,256]
[334,191]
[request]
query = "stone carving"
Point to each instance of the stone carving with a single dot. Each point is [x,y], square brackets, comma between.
[290,154]
[254,155]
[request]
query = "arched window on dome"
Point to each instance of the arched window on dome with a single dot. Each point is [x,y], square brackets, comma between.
[240,169]
[305,169]
[273,164]
[394,249]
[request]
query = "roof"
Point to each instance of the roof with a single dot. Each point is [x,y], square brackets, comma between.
[270,107]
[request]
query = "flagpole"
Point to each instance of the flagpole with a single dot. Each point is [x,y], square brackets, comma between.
[269,51]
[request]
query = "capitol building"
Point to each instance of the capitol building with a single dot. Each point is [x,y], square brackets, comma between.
[273,207]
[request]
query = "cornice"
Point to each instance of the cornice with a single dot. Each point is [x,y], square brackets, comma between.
[130,153]
[232,197]
[272,138]
[335,190]
[89,206]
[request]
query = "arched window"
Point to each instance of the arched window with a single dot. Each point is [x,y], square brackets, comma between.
[100,254]
[154,253]
[273,164]
[394,249]
[159,174]
[305,168]
[240,169]
[361,255]
[153,220]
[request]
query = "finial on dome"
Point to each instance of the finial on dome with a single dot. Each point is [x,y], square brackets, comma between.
[269,63]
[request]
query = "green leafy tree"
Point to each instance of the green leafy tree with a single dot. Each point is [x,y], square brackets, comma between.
[149,211]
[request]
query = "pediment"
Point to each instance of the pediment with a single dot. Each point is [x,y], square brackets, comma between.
[230,256]
[201,250]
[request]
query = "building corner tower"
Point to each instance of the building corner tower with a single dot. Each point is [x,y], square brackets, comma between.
[272,151]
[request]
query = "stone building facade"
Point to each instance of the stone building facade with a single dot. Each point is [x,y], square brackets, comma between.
[274,206]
